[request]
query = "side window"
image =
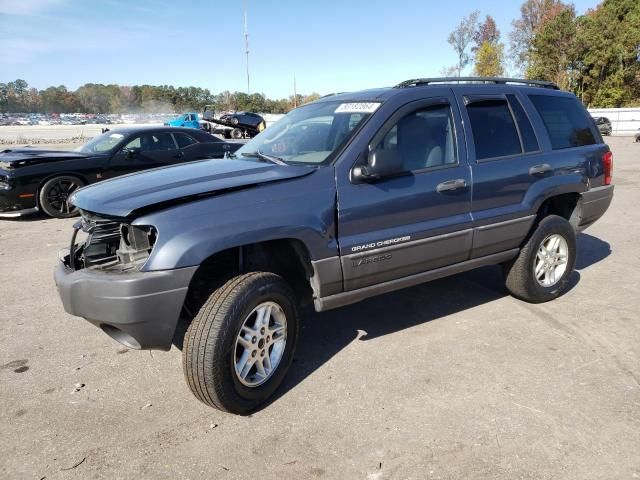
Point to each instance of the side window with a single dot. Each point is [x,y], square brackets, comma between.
[424,138]
[494,131]
[529,141]
[157,142]
[565,119]
[183,140]
[135,143]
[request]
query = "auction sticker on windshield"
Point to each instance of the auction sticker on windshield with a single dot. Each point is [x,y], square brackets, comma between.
[358,107]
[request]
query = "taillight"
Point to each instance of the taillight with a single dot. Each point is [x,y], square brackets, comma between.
[607,163]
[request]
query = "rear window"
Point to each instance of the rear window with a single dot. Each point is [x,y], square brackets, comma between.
[184,140]
[494,131]
[565,119]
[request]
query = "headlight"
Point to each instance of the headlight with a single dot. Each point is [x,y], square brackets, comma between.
[4,183]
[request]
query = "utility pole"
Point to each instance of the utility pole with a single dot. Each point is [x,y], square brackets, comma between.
[246,45]
[295,93]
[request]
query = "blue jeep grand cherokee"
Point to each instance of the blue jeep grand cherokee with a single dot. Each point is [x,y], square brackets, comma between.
[350,196]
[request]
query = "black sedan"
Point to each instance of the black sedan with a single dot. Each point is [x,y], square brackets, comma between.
[33,179]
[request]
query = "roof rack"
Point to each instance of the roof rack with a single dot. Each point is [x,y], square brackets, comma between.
[332,94]
[494,80]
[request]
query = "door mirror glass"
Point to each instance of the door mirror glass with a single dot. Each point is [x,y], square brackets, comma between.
[381,163]
[131,152]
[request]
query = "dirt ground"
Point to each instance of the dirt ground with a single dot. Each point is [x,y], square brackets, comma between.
[451,379]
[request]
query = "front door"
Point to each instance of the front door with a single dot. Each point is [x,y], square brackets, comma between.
[417,219]
[145,151]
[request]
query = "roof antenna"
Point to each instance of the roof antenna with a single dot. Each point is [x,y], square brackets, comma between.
[246,44]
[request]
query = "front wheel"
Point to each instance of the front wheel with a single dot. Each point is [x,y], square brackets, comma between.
[542,269]
[54,196]
[241,343]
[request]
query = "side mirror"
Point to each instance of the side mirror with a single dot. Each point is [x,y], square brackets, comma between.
[131,152]
[381,163]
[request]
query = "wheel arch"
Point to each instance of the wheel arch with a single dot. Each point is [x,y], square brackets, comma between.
[288,257]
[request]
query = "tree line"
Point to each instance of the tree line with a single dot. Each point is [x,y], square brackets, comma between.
[18,97]
[595,55]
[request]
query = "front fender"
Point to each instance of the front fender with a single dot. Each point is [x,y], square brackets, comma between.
[302,209]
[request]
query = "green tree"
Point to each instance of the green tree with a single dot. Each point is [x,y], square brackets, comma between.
[552,52]
[608,54]
[533,14]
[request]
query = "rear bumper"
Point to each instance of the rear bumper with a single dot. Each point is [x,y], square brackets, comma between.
[593,204]
[140,310]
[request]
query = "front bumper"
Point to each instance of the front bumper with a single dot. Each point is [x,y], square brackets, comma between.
[593,204]
[18,213]
[140,309]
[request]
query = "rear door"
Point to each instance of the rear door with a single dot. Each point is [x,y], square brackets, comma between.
[507,159]
[192,149]
[418,219]
[513,162]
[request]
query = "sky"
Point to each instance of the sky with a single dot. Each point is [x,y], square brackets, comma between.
[327,45]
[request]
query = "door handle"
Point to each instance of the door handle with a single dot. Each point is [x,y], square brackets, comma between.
[540,169]
[451,185]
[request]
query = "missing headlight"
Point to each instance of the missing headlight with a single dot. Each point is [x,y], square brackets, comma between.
[110,244]
[136,243]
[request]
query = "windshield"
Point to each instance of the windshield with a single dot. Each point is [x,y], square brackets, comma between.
[101,143]
[310,134]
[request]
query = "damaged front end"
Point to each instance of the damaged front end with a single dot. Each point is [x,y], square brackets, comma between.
[106,244]
[101,278]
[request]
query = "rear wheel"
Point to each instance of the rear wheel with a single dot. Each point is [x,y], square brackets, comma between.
[234,121]
[542,269]
[54,196]
[241,343]
[237,133]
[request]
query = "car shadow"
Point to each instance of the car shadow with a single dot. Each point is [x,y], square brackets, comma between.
[323,335]
[591,250]
[31,217]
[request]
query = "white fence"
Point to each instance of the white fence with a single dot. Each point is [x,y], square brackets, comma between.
[624,121]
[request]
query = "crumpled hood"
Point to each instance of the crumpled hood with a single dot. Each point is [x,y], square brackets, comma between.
[162,187]
[19,157]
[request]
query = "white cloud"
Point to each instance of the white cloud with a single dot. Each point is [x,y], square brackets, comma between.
[27,7]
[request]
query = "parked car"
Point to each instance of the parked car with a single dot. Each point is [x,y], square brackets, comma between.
[637,137]
[32,179]
[603,124]
[187,120]
[244,124]
[345,198]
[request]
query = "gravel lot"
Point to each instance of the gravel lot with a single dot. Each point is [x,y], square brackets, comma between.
[452,379]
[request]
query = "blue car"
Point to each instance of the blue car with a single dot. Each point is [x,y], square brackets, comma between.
[187,120]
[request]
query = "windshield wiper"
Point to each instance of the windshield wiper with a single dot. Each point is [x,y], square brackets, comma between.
[264,156]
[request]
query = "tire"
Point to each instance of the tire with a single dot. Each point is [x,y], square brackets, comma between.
[54,194]
[226,134]
[234,121]
[213,350]
[237,133]
[520,273]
